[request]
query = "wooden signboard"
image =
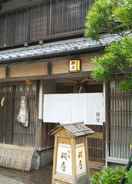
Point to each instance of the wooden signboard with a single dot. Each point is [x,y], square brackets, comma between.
[75,65]
[70,157]
[80,159]
[64,159]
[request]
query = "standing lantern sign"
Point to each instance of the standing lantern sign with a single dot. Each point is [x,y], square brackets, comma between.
[70,165]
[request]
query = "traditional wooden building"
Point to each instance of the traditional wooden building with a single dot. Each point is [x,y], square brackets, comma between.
[42,51]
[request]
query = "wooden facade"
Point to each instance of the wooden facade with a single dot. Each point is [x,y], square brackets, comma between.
[46,20]
[40,68]
[120,124]
[28,70]
[11,130]
[13,91]
[96,144]
[33,22]
[2,72]
[24,80]
[36,22]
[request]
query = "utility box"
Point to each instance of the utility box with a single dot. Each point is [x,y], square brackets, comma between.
[70,164]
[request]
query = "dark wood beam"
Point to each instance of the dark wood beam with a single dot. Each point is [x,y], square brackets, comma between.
[2,1]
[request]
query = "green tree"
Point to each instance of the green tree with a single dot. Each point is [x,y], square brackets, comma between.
[112,16]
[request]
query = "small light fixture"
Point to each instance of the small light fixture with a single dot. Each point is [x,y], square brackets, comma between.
[74,65]
[28,82]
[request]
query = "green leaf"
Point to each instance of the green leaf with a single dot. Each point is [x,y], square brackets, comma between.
[130,177]
[112,16]
[108,176]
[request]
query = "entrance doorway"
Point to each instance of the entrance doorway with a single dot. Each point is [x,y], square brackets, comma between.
[96,142]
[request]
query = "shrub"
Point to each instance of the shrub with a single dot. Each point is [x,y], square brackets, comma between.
[129,177]
[109,176]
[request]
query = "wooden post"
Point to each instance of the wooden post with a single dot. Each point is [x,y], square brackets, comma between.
[107,120]
[40,118]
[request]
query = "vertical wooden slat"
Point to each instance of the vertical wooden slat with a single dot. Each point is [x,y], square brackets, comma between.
[96,144]
[39,22]
[6,115]
[121,131]
[26,136]
[51,19]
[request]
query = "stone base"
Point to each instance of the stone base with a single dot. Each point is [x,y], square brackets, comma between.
[35,161]
[83,180]
[46,157]
[60,179]
[18,157]
[24,158]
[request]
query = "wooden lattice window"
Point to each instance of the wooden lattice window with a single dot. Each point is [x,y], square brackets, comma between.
[39,22]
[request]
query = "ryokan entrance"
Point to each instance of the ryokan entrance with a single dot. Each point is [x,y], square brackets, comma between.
[60,87]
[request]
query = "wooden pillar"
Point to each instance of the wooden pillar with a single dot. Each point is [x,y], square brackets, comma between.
[107,119]
[40,117]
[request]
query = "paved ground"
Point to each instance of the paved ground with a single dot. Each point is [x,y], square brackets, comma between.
[42,176]
[8,180]
[8,176]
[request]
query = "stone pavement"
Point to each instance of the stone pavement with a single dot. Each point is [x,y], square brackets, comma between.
[42,176]
[7,180]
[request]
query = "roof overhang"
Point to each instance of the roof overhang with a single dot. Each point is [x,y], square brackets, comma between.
[57,48]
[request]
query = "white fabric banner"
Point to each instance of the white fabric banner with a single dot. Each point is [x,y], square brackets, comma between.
[73,108]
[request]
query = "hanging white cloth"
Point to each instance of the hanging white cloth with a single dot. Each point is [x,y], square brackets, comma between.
[71,108]
[23,115]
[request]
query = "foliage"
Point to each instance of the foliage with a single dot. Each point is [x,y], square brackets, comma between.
[129,177]
[112,16]
[116,60]
[109,176]
[98,18]
[123,13]
[108,15]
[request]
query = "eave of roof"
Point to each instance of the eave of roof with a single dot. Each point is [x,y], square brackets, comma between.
[75,129]
[56,48]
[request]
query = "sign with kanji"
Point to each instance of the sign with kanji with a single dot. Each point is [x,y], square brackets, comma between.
[70,164]
[80,159]
[64,160]
[75,65]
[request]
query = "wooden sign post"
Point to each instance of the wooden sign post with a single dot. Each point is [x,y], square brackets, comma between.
[70,164]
